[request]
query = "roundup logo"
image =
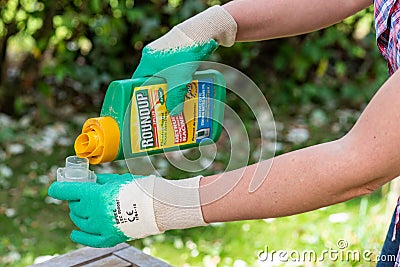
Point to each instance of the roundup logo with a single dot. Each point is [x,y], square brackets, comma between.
[145,119]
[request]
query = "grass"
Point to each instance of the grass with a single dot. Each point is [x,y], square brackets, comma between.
[238,243]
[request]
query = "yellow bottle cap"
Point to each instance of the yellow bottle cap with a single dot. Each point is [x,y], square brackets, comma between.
[99,140]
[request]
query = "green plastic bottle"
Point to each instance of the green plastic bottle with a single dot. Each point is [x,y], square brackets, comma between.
[134,120]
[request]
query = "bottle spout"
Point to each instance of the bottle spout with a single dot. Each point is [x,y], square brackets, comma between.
[99,140]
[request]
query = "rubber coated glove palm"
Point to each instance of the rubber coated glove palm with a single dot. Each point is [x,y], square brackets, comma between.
[155,62]
[189,42]
[121,207]
[93,208]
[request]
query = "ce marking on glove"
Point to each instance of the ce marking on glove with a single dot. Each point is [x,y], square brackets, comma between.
[133,215]
[130,215]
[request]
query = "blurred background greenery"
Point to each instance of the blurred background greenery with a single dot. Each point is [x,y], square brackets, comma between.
[57,59]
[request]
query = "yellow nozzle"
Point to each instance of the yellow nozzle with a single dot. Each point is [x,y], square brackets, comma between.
[99,140]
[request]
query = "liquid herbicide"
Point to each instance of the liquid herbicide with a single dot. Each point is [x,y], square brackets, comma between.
[134,120]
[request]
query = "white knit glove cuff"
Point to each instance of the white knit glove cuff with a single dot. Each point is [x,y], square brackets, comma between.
[177,204]
[152,205]
[213,23]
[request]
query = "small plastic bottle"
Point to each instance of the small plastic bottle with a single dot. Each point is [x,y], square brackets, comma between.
[76,170]
[134,120]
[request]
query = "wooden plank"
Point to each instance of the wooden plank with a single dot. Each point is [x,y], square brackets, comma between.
[81,256]
[139,258]
[112,260]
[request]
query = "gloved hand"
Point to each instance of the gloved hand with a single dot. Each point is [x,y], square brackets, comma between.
[118,208]
[189,42]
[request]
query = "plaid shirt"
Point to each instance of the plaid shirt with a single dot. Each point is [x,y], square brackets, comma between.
[387,17]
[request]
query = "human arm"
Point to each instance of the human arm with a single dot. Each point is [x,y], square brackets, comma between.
[357,164]
[364,159]
[195,39]
[292,186]
[268,19]
[117,208]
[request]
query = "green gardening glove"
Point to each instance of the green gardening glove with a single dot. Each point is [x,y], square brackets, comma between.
[155,61]
[94,208]
[118,208]
[189,42]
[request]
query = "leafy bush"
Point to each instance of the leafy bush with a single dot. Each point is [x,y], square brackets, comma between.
[58,57]
[54,51]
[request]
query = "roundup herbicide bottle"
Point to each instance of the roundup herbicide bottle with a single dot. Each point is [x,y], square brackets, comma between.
[134,120]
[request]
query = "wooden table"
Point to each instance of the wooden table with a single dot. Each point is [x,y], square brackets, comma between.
[122,255]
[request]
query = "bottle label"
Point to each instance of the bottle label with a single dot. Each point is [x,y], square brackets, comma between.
[153,128]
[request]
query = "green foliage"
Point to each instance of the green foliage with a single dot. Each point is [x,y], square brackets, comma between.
[76,45]
[58,57]
[64,49]
[335,67]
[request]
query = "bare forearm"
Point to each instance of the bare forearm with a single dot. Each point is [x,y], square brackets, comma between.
[296,182]
[267,19]
[307,179]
